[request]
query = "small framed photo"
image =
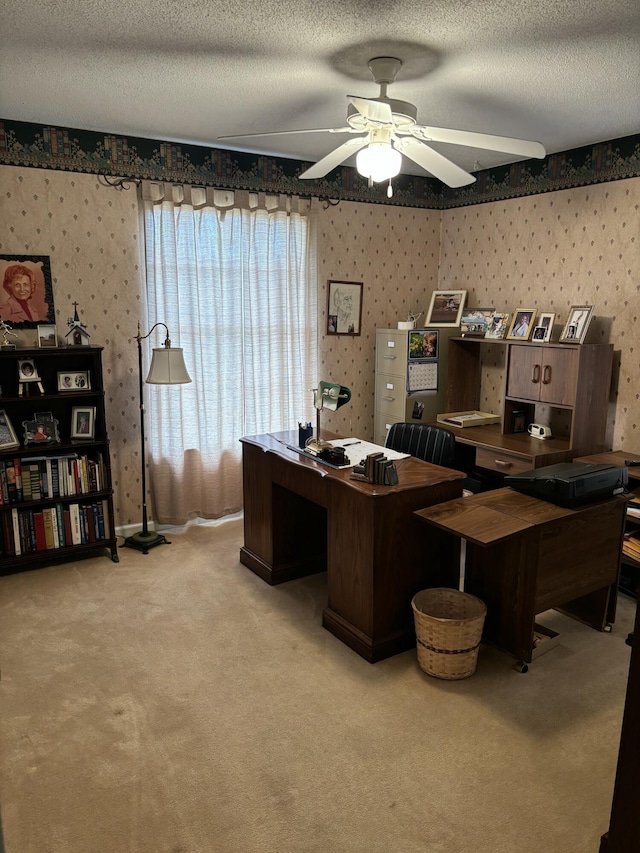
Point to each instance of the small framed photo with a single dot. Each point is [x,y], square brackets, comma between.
[445,308]
[74,381]
[8,438]
[49,425]
[423,343]
[522,324]
[39,432]
[543,328]
[474,321]
[575,328]
[27,371]
[497,327]
[83,422]
[344,308]
[47,336]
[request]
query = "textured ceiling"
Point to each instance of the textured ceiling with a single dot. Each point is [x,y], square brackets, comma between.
[564,73]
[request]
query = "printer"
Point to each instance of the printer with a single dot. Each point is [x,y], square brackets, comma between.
[570,484]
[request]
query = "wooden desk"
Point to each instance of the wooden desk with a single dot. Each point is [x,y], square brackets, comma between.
[525,556]
[302,517]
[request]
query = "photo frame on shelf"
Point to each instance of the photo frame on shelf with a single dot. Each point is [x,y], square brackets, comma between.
[78,380]
[498,325]
[344,308]
[8,437]
[575,329]
[475,321]
[445,308]
[27,370]
[49,424]
[522,324]
[26,280]
[83,422]
[39,431]
[543,328]
[47,335]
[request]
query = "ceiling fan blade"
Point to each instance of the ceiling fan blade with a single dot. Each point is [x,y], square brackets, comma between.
[334,158]
[283,132]
[376,111]
[520,147]
[433,162]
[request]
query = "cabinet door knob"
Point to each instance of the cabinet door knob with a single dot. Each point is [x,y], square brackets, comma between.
[546,374]
[535,376]
[389,399]
[389,357]
[502,464]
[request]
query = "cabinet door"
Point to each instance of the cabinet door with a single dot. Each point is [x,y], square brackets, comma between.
[559,374]
[525,372]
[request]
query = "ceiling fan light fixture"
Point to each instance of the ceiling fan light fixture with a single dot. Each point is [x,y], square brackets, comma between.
[379,161]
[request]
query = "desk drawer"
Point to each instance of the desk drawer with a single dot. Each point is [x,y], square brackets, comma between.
[499,460]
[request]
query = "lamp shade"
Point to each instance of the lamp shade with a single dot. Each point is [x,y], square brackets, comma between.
[167,367]
[379,161]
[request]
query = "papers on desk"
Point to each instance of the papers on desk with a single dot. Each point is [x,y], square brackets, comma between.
[357,450]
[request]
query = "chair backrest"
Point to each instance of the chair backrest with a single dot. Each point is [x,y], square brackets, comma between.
[432,443]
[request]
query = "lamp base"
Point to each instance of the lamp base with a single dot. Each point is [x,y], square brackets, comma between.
[317,445]
[144,541]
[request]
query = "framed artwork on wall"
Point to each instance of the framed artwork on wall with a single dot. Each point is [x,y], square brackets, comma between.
[445,308]
[344,308]
[26,296]
[575,329]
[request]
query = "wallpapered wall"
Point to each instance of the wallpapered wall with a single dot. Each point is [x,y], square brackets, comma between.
[548,251]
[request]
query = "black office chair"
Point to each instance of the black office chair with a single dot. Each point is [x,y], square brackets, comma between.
[432,443]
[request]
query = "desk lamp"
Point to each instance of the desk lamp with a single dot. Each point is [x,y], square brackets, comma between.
[167,368]
[330,396]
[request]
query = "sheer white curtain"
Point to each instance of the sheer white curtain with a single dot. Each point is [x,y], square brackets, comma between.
[234,277]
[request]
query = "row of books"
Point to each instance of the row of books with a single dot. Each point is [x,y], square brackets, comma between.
[28,531]
[35,478]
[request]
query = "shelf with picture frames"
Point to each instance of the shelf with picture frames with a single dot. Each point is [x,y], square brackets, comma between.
[56,495]
[561,385]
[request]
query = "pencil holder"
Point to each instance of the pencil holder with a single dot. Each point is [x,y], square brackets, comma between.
[304,434]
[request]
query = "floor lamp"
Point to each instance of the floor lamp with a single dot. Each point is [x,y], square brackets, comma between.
[167,368]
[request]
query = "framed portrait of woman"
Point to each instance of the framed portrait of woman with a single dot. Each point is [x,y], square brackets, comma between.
[26,291]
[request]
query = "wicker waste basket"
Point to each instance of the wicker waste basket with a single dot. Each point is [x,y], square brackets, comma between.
[448,630]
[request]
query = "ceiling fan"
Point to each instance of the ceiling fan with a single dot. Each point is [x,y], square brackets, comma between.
[390,131]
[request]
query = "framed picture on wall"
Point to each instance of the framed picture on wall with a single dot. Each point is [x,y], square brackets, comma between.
[26,295]
[344,308]
[575,329]
[445,308]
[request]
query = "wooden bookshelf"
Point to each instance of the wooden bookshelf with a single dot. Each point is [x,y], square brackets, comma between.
[56,495]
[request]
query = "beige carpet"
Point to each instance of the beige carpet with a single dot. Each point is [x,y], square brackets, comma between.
[176,703]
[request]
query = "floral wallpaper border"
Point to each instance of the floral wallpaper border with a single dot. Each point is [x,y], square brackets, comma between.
[67,149]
